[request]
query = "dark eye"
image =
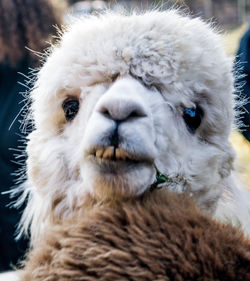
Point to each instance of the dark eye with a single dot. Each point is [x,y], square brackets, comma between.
[70,108]
[193,117]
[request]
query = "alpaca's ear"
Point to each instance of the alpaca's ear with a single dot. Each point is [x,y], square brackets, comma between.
[227,161]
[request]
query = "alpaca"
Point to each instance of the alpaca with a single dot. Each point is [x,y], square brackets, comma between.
[124,101]
[158,236]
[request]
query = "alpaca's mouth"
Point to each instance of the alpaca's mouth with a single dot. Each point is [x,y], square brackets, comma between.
[112,153]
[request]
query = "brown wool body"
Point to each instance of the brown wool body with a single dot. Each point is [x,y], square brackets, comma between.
[160,236]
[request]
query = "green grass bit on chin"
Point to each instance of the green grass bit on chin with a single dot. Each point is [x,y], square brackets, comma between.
[160,180]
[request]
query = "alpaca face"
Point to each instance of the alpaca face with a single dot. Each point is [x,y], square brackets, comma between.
[120,96]
[119,140]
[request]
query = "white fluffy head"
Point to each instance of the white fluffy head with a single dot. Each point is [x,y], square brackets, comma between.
[134,78]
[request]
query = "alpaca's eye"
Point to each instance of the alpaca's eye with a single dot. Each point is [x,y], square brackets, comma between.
[70,108]
[193,117]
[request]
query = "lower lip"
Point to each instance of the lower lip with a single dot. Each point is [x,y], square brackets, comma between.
[113,166]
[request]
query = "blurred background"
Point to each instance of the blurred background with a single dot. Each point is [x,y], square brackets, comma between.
[228,13]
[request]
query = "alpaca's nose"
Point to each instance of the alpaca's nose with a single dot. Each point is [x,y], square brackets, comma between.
[120,109]
[123,101]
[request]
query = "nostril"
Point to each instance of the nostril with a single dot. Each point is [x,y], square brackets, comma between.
[105,112]
[136,113]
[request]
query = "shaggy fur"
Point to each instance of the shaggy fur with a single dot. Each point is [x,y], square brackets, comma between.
[160,236]
[134,77]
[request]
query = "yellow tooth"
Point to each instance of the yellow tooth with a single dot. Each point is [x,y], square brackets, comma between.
[120,155]
[108,152]
[99,152]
